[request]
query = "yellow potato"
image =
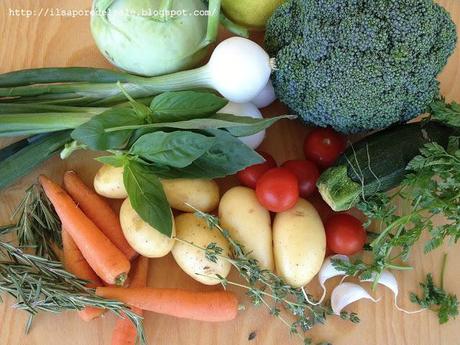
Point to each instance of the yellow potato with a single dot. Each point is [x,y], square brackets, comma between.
[145,239]
[201,194]
[193,260]
[248,223]
[108,182]
[299,243]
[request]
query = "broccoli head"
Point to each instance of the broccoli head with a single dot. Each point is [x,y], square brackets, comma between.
[358,65]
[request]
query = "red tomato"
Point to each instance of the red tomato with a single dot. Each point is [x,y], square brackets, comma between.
[324,145]
[250,175]
[324,210]
[307,174]
[345,234]
[278,190]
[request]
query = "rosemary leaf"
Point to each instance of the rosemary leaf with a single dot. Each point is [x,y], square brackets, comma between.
[37,224]
[40,284]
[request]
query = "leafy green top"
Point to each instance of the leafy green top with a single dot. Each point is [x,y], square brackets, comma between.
[436,299]
[180,135]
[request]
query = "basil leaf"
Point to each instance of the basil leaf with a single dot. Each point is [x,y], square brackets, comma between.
[115,160]
[227,156]
[240,126]
[176,149]
[93,134]
[185,105]
[147,196]
[243,126]
[141,109]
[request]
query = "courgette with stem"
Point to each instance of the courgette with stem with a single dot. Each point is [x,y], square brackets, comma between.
[378,162]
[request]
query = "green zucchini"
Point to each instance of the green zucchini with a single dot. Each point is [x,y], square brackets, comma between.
[378,162]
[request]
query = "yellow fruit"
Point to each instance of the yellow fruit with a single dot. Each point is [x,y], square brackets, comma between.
[250,13]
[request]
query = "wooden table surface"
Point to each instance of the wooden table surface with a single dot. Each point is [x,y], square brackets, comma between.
[37,41]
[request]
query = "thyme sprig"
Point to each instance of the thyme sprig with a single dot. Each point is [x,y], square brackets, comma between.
[265,288]
[40,284]
[36,224]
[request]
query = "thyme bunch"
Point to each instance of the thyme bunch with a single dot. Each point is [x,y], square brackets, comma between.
[265,288]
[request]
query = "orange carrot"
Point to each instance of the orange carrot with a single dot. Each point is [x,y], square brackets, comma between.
[203,306]
[109,263]
[75,263]
[99,211]
[125,332]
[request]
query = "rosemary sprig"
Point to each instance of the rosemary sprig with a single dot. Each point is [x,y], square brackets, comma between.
[37,224]
[40,284]
[265,287]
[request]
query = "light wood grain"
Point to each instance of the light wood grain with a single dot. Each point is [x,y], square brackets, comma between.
[58,41]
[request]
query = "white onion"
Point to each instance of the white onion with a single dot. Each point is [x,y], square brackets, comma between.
[246,109]
[265,97]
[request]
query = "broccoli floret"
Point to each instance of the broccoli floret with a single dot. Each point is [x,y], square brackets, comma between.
[359,65]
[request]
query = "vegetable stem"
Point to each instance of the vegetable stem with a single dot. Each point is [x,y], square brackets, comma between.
[13,125]
[233,27]
[34,153]
[64,75]
[166,6]
[399,222]
[213,23]
[443,270]
[398,267]
[100,94]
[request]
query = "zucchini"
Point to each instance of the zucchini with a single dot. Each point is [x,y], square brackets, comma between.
[378,162]
[18,159]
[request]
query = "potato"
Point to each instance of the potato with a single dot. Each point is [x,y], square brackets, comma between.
[108,182]
[145,239]
[299,243]
[193,260]
[248,223]
[201,194]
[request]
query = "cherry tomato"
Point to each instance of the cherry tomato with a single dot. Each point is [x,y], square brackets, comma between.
[345,234]
[278,190]
[324,145]
[307,174]
[249,176]
[324,210]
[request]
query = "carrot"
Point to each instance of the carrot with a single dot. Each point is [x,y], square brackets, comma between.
[202,306]
[99,211]
[109,263]
[125,332]
[75,263]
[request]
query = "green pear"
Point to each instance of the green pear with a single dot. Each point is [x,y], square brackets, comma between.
[250,13]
